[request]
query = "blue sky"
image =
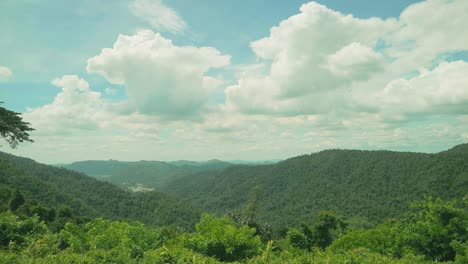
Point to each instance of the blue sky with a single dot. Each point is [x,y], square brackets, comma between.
[63,34]
[229,79]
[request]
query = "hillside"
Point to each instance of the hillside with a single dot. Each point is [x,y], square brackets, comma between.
[87,196]
[365,186]
[154,174]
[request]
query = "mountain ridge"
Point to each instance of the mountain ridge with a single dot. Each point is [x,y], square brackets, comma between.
[87,196]
[370,184]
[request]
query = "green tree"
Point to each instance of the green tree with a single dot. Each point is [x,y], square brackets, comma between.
[220,238]
[433,228]
[12,127]
[320,234]
[16,233]
[248,217]
[16,201]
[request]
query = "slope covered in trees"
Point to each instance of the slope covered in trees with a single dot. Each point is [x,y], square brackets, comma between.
[42,209]
[433,231]
[155,174]
[57,187]
[365,186]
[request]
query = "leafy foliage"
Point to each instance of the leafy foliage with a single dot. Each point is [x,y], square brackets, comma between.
[220,238]
[74,193]
[12,127]
[154,174]
[16,233]
[16,201]
[131,240]
[52,215]
[319,235]
[433,228]
[366,187]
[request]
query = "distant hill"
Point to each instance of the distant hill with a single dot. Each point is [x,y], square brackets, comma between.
[89,197]
[255,162]
[155,174]
[363,186]
[366,186]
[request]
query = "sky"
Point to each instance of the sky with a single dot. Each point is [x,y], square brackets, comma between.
[249,80]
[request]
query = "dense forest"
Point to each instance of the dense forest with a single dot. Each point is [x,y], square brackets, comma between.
[367,187]
[431,231]
[151,174]
[86,196]
[335,206]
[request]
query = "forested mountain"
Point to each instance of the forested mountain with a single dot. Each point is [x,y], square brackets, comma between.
[86,196]
[155,174]
[365,186]
[204,165]
[371,184]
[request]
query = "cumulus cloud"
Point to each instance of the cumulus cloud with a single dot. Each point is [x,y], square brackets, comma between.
[5,73]
[421,38]
[354,61]
[158,15]
[76,107]
[160,78]
[312,56]
[323,79]
[442,90]
[325,62]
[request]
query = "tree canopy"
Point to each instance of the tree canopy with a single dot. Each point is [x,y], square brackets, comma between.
[12,127]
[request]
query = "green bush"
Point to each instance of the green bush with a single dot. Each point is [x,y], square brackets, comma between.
[319,235]
[179,255]
[220,238]
[132,239]
[433,229]
[16,233]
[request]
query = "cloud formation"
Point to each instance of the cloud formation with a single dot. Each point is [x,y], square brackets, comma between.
[324,62]
[322,79]
[354,62]
[158,15]
[441,91]
[160,78]
[312,57]
[75,108]
[5,73]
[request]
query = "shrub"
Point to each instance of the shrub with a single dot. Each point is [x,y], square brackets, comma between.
[220,238]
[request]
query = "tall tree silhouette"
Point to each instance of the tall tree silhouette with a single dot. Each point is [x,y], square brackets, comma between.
[12,127]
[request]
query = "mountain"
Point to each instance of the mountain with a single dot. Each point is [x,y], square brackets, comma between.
[154,174]
[461,149]
[365,186]
[255,162]
[87,196]
[196,166]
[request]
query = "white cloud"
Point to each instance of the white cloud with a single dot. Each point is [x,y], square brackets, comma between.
[79,109]
[324,62]
[443,90]
[158,15]
[424,37]
[314,56]
[5,73]
[160,78]
[354,61]
[76,107]
[322,80]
